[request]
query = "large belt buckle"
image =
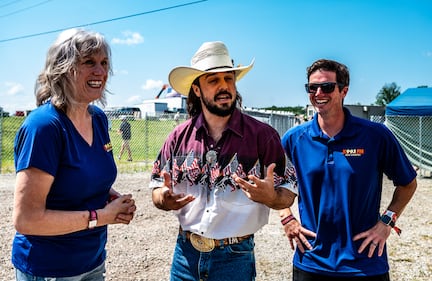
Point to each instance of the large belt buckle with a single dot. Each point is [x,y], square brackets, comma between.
[202,244]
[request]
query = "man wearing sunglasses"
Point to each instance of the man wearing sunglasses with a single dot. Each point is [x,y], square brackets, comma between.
[340,161]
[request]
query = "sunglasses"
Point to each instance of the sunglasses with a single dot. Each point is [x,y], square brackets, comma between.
[326,88]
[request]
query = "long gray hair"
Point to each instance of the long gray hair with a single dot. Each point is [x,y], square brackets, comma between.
[55,82]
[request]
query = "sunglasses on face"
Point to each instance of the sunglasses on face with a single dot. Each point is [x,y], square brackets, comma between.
[326,88]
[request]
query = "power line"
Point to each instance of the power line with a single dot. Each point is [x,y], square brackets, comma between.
[23,9]
[10,3]
[100,22]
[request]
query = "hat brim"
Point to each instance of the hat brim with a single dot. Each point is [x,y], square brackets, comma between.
[182,77]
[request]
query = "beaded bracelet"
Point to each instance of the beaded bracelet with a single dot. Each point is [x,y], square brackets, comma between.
[287,219]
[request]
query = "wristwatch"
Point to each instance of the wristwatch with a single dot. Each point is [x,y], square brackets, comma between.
[389,218]
[92,219]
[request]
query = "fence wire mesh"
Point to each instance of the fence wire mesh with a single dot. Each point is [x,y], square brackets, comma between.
[415,135]
[149,133]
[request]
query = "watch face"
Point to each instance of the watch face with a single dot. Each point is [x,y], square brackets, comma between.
[92,223]
[386,219]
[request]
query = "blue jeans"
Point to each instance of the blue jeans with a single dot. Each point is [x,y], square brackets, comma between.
[97,274]
[228,263]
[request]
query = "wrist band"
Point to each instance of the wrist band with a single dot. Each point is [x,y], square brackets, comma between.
[287,219]
[92,222]
[389,218]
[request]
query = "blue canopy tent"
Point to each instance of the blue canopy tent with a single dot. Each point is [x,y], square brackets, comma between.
[409,117]
[414,101]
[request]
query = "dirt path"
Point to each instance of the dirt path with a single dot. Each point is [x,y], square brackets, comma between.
[143,249]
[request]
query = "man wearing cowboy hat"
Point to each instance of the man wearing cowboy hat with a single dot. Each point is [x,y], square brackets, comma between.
[220,172]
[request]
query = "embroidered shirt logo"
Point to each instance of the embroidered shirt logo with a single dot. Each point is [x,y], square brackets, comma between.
[108,147]
[353,151]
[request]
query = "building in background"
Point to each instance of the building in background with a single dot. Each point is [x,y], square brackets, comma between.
[172,102]
[371,112]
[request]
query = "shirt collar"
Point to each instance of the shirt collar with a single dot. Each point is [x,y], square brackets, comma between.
[234,123]
[316,131]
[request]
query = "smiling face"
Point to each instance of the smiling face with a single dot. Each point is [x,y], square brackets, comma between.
[91,76]
[329,103]
[218,92]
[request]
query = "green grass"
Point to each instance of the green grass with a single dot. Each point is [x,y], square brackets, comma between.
[9,126]
[147,139]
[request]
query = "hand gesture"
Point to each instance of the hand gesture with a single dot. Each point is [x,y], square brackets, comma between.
[259,190]
[164,197]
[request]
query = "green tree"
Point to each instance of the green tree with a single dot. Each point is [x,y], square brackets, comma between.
[294,109]
[388,93]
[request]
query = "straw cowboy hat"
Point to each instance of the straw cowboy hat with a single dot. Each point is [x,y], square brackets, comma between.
[211,57]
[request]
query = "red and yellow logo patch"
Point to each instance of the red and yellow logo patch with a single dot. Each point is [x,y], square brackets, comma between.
[108,147]
[353,151]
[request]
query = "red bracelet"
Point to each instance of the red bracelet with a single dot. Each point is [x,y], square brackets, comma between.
[287,219]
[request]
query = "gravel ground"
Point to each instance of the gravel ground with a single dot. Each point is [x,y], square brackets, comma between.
[143,249]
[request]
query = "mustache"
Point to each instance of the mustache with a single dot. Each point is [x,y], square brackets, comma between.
[223,93]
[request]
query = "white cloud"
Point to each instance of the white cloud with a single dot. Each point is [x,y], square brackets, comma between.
[13,97]
[17,104]
[131,38]
[13,88]
[152,84]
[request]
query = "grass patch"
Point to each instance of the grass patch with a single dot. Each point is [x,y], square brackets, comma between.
[148,137]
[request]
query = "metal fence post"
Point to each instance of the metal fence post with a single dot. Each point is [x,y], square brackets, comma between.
[146,139]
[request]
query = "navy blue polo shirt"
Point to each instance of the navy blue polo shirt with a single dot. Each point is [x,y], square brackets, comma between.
[340,186]
[83,175]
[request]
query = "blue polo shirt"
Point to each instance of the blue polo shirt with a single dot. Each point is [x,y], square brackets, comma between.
[340,186]
[83,175]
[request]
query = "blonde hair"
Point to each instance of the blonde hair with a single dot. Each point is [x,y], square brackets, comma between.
[55,82]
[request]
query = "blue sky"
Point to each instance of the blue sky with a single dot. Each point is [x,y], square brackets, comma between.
[381,41]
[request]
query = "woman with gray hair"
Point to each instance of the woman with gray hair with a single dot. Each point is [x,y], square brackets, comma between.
[65,167]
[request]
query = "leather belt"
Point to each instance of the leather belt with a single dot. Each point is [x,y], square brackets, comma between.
[204,244]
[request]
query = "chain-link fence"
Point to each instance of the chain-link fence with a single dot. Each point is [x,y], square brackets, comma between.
[1,138]
[149,132]
[415,135]
[147,136]
[8,128]
[280,121]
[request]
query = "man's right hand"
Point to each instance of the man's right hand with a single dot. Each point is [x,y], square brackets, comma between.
[164,197]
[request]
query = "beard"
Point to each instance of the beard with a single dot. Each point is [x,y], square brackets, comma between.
[219,110]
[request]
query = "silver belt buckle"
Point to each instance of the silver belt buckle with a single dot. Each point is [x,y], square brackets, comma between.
[201,243]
